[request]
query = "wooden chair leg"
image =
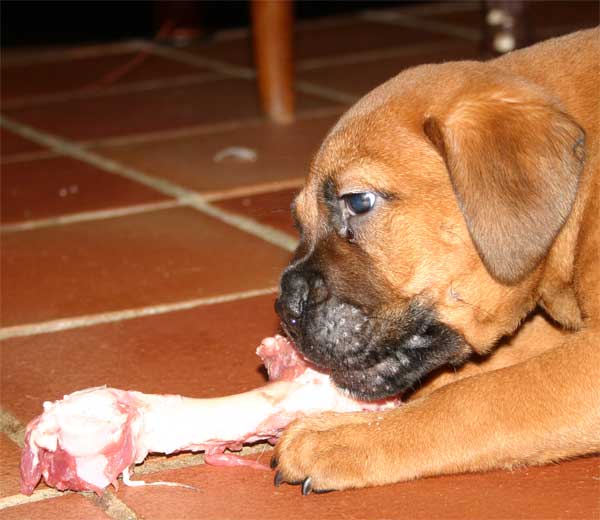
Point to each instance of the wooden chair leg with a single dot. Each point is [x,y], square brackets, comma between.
[272,26]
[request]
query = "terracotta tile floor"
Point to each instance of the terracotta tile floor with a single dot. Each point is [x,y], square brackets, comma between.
[115,272]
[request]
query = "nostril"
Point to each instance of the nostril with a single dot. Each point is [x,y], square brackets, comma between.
[299,287]
[295,308]
[294,292]
[287,315]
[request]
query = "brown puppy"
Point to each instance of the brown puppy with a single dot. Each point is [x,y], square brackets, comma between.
[451,219]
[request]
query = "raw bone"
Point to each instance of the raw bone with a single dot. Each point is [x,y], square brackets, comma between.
[88,439]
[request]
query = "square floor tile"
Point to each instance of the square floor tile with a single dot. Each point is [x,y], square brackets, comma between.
[129,262]
[207,351]
[75,74]
[205,103]
[44,188]
[272,208]
[283,152]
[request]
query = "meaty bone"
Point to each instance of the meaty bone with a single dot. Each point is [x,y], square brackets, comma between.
[89,438]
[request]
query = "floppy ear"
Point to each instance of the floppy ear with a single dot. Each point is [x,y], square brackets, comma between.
[514,163]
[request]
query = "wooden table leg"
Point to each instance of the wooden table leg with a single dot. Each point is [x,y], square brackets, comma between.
[272,25]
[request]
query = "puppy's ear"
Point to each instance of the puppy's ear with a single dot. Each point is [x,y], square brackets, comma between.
[514,163]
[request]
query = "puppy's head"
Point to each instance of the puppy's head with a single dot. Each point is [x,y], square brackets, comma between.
[424,223]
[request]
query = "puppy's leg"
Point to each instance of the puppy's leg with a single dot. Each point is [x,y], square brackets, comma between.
[542,410]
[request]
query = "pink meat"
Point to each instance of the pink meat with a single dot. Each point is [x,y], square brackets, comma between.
[89,438]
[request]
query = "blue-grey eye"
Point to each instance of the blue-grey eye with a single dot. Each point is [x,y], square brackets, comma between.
[359,203]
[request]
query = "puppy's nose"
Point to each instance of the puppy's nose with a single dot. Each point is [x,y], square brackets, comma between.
[291,303]
[300,290]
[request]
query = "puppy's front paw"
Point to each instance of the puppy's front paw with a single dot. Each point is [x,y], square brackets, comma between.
[329,452]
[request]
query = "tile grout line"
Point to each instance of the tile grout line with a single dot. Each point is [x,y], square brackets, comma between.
[98,92]
[178,133]
[37,496]
[12,427]
[188,197]
[308,87]
[86,216]
[242,72]
[253,189]
[112,506]
[210,128]
[267,233]
[182,56]
[71,53]
[209,196]
[434,26]
[368,56]
[70,149]
[61,324]
[27,156]
[431,9]
[108,503]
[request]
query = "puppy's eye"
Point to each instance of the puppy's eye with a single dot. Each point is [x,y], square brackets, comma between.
[359,203]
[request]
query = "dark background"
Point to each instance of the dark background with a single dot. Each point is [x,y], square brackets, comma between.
[29,22]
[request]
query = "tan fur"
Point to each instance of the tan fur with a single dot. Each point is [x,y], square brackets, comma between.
[445,139]
[515,178]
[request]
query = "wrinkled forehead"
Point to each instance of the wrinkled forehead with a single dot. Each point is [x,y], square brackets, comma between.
[338,154]
[375,151]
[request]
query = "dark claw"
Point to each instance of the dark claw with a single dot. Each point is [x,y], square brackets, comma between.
[307,486]
[322,491]
[278,479]
[274,462]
